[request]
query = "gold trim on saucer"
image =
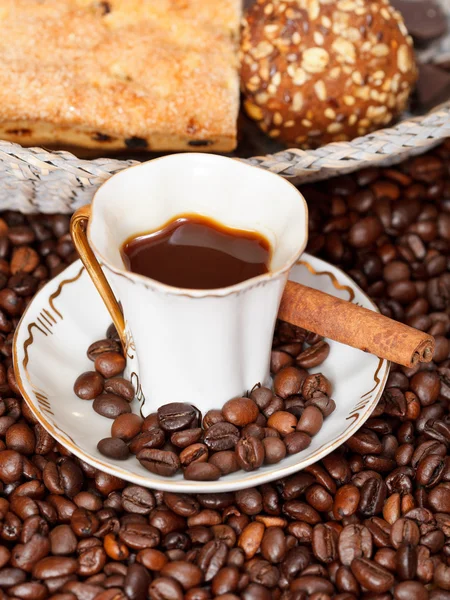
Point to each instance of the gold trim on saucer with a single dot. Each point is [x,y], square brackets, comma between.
[45,407]
[53,297]
[334,281]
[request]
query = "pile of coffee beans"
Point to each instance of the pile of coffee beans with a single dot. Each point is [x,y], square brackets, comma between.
[260,429]
[371,521]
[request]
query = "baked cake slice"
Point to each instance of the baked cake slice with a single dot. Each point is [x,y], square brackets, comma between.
[151,74]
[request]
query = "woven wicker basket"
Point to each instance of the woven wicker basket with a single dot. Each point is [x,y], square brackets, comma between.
[36,180]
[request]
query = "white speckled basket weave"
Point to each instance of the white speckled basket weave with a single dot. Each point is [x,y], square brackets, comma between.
[36,180]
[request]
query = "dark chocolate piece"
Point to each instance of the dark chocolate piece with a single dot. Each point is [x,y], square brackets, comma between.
[433,86]
[424,19]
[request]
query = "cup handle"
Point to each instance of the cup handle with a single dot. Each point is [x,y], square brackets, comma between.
[78,227]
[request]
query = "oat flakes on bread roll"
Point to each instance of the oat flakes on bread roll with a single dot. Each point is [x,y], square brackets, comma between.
[320,71]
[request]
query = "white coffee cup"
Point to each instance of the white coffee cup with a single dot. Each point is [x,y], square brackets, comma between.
[203,347]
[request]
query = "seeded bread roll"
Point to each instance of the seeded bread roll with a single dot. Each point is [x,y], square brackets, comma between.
[320,71]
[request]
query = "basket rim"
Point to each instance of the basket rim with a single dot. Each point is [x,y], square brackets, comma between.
[441,110]
[36,180]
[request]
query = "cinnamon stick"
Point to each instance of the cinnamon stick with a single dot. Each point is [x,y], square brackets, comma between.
[355,326]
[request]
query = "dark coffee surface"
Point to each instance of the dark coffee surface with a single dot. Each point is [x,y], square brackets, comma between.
[195,252]
[374,515]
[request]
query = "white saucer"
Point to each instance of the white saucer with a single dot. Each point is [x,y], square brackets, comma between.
[67,315]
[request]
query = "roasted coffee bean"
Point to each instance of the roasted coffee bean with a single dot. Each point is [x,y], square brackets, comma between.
[274,450]
[21,438]
[44,441]
[324,543]
[373,495]
[404,531]
[201,471]
[364,442]
[62,540]
[427,447]
[324,404]
[138,535]
[221,436]
[240,411]
[426,386]
[279,360]
[161,462]
[372,576]
[409,590]
[289,381]
[182,504]
[19,233]
[109,364]
[126,426]
[152,559]
[211,558]
[275,405]
[136,582]
[165,588]
[121,387]
[250,453]
[102,346]
[439,498]
[23,284]
[212,417]
[262,396]
[273,545]
[434,540]
[65,477]
[113,447]
[406,562]
[185,438]
[137,500]
[312,584]
[311,420]
[112,334]
[110,406]
[365,232]
[150,422]
[315,384]
[193,453]
[187,574]
[249,501]
[296,442]
[176,416]
[301,512]
[313,356]
[295,405]
[283,422]
[379,463]
[346,501]
[318,497]
[430,470]
[153,438]
[54,566]
[88,385]
[253,430]
[226,581]
[226,461]
[355,541]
